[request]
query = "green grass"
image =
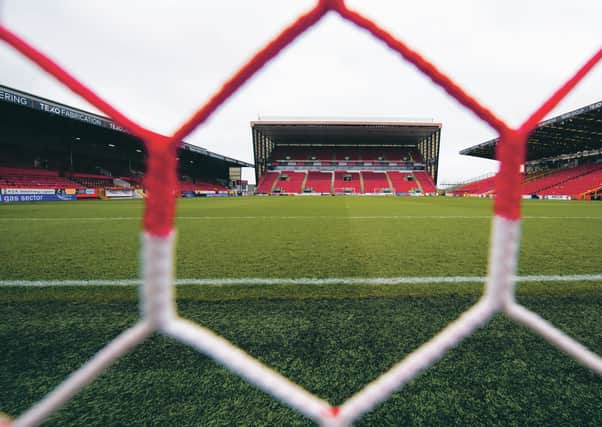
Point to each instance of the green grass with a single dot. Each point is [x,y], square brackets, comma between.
[332,339]
[320,241]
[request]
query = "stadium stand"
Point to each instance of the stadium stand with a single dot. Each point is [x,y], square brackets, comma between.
[568,181]
[34,178]
[416,156]
[563,157]
[51,179]
[346,157]
[346,182]
[481,186]
[346,154]
[318,182]
[80,150]
[136,182]
[576,187]
[289,182]
[387,154]
[364,170]
[425,181]
[294,153]
[375,182]
[200,186]
[403,182]
[266,182]
[557,178]
[92,180]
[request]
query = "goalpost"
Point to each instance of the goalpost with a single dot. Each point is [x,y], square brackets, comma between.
[157,306]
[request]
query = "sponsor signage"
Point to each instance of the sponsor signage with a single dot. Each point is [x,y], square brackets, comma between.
[28,191]
[8,195]
[87,193]
[557,197]
[40,104]
[121,193]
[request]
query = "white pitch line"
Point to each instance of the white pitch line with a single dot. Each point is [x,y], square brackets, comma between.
[291,217]
[108,218]
[307,280]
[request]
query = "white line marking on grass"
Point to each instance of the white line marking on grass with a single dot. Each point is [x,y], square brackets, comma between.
[288,217]
[308,280]
[107,218]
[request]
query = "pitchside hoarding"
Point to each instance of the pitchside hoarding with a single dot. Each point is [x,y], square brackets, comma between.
[8,195]
[125,193]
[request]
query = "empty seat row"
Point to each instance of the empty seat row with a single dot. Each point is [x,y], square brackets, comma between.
[403,182]
[266,182]
[347,182]
[567,181]
[345,153]
[33,178]
[557,178]
[481,186]
[290,182]
[575,186]
[319,182]
[376,182]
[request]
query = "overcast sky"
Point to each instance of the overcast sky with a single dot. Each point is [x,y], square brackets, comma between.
[157,61]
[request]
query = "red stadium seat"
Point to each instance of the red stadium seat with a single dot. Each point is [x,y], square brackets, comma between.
[34,178]
[375,182]
[290,182]
[426,182]
[403,182]
[266,182]
[319,182]
[347,182]
[482,186]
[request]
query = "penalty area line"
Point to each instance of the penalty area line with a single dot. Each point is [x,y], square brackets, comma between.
[307,280]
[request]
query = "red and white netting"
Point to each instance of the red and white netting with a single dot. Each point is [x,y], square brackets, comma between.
[158,310]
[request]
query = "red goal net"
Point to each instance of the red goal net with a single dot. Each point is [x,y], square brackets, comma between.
[158,311]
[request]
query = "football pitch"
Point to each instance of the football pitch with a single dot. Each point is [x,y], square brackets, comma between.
[330,291]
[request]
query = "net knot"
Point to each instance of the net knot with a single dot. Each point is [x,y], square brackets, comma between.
[332,4]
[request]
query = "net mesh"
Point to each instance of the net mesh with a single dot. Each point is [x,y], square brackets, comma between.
[158,312]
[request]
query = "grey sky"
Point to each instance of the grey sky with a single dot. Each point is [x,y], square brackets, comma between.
[157,61]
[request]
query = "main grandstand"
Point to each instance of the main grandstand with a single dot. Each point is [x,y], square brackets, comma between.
[51,151]
[338,157]
[564,159]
